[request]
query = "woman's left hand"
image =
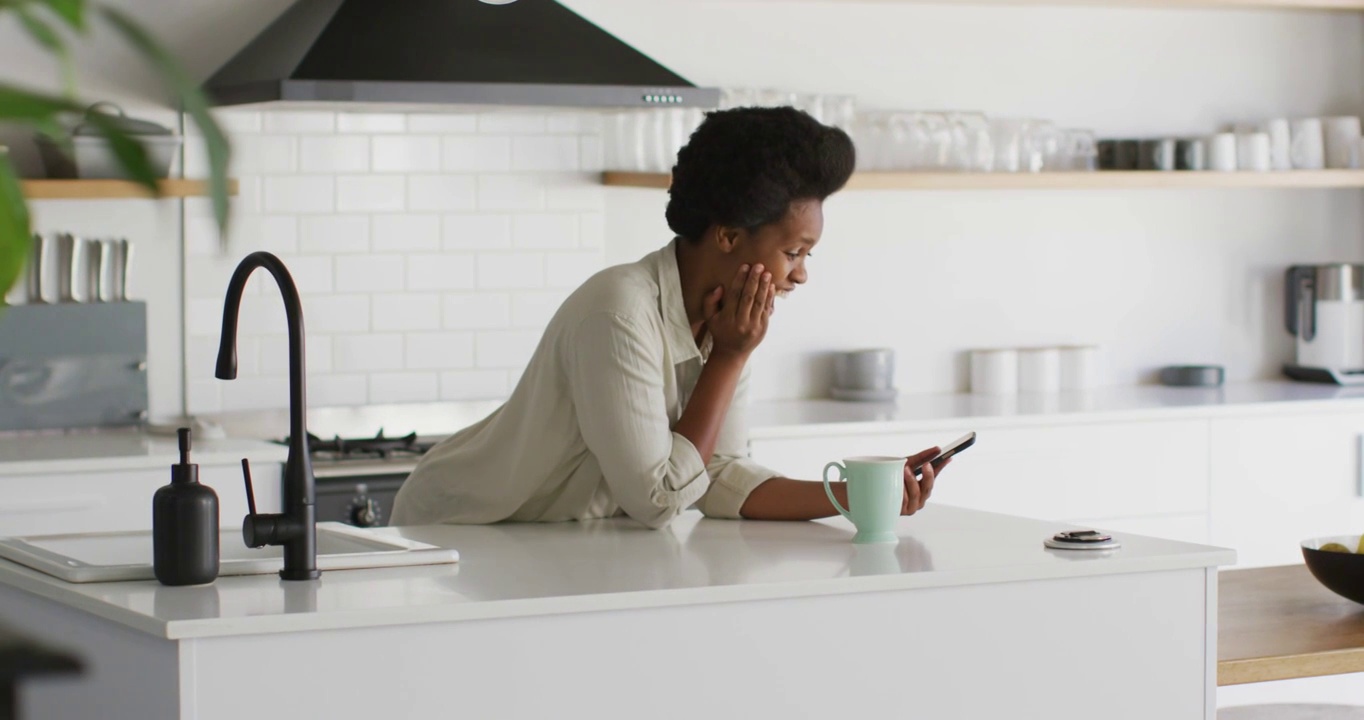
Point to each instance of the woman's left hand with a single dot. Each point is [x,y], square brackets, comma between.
[917,490]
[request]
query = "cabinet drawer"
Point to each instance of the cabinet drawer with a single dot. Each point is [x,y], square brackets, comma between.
[1093,471]
[122,500]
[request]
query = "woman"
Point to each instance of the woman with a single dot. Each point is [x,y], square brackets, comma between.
[633,401]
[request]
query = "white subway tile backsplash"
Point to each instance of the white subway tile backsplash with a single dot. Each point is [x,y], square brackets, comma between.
[301,194]
[511,271]
[330,234]
[404,387]
[370,193]
[509,122]
[406,311]
[569,270]
[334,154]
[576,122]
[232,122]
[368,352]
[476,232]
[401,233]
[298,122]
[476,153]
[440,351]
[312,275]
[254,393]
[337,314]
[369,273]
[510,192]
[262,155]
[440,272]
[475,311]
[504,348]
[204,316]
[430,251]
[371,122]
[204,396]
[441,123]
[593,156]
[592,231]
[442,192]
[535,309]
[338,390]
[545,231]
[406,154]
[279,234]
[262,314]
[551,153]
[575,195]
[274,354]
[473,385]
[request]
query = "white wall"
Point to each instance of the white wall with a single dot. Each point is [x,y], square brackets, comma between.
[1155,276]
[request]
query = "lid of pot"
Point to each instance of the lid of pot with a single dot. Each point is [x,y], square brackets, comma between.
[132,126]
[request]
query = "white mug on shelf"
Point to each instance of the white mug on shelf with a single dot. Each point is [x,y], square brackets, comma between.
[1080,367]
[1280,144]
[1222,152]
[994,372]
[1254,152]
[1341,142]
[1039,370]
[1308,150]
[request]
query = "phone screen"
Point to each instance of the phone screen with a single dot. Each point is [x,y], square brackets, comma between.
[952,448]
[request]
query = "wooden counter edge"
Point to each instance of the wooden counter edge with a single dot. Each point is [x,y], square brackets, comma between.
[1288,667]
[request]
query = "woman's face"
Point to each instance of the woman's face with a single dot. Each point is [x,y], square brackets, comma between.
[782,247]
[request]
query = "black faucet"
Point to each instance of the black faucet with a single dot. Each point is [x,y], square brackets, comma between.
[296,527]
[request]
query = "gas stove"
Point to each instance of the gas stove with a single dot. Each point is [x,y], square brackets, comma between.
[358,477]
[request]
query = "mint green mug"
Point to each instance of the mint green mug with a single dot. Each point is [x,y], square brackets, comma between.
[876,491]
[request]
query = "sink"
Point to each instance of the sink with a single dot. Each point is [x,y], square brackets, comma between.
[113,556]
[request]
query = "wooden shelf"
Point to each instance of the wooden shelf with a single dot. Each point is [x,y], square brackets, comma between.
[112,189]
[1102,180]
[1342,5]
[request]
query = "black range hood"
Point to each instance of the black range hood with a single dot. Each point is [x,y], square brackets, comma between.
[439,52]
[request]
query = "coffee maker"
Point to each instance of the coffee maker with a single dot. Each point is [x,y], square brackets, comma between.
[1324,310]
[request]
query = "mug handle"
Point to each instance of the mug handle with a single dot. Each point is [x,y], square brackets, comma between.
[842,475]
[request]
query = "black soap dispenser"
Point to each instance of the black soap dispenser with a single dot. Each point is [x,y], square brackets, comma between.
[185,526]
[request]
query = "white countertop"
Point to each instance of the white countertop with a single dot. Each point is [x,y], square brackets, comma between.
[556,568]
[50,453]
[908,413]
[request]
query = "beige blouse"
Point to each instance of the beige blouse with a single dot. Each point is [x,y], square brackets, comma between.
[587,433]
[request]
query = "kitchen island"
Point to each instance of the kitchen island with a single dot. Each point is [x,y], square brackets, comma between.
[968,616]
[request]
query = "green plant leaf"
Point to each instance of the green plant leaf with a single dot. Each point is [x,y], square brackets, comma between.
[131,155]
[49,38]
[14,227]
[192,102]
[28,106]
[72,11]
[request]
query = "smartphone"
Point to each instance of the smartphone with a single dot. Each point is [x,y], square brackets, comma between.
[952,448]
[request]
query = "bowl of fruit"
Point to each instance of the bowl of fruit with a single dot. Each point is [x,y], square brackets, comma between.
[1338,563]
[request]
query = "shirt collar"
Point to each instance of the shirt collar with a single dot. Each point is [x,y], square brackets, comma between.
[676,328]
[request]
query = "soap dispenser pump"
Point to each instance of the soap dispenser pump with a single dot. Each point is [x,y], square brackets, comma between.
[185,525]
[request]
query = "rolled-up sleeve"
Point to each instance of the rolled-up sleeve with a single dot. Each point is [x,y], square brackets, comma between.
[732,474]
[616,378]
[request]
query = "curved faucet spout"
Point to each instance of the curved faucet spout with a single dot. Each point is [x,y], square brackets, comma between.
[295,527]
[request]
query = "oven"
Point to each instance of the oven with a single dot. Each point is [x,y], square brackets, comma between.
[358,479]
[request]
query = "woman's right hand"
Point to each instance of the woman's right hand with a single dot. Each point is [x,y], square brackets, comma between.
[738,321]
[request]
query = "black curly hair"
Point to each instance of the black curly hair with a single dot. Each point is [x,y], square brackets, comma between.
[744,167]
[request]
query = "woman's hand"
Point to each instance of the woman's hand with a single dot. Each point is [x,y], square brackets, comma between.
[736,316]
[916,490]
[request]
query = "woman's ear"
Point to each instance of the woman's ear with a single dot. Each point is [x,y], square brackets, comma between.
[727,238]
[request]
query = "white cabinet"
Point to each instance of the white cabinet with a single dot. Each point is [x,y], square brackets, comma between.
[1279,479]
[120,500]
[1139,472]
